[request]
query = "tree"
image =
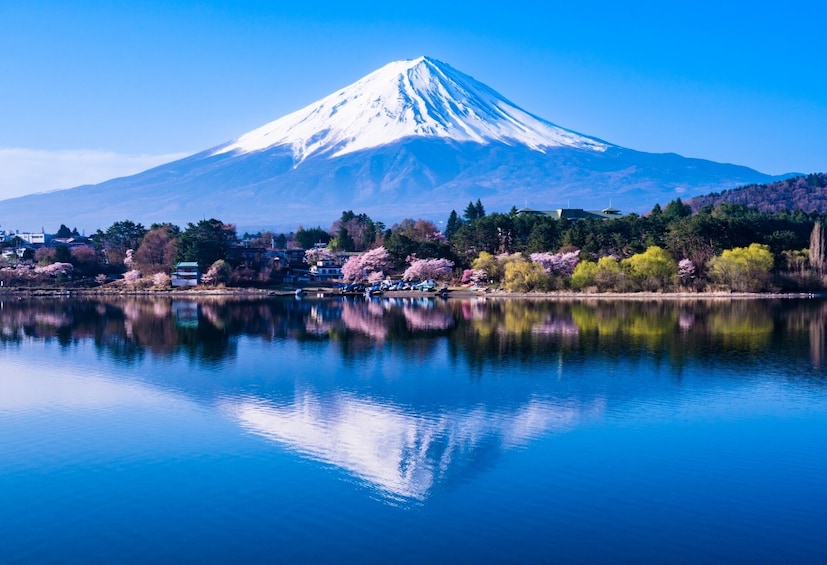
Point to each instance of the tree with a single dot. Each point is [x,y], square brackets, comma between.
[818,249]
[206,242]
[355,232]
[361,267]
[119,237]
[63,232]
[743,269]
[525,276]
[423,269]
[453,224]
[157,251]
[310,237]
[677,209]
[584,275]
[316,254]
[609,275]
[218,273]
[558,264]
[654,269]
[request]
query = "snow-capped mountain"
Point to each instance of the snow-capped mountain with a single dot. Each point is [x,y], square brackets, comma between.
[416,138]
[416,98]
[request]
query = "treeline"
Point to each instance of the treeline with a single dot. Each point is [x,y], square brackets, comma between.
[807,193]
[726,246]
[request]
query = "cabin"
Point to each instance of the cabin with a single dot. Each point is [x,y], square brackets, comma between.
[185,274]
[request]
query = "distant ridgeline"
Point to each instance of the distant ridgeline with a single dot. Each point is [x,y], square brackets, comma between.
[806,193]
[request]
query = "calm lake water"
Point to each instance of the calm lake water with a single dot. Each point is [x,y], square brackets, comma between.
[424,431]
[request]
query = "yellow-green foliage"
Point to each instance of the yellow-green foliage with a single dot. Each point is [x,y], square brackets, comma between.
[525,276]
[654,269]
[743,269]
[494,265]
[609,275]
[583,275]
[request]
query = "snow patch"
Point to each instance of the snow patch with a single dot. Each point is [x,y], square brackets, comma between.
[414,98]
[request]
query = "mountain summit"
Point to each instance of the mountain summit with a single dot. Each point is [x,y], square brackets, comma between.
[415,138]
[415,98]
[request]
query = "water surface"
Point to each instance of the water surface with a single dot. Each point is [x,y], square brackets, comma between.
[412,430]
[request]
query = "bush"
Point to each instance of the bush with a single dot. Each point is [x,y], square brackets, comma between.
[743,269]
[525,276]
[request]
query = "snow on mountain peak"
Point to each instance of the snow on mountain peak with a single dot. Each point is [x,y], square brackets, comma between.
[412,98]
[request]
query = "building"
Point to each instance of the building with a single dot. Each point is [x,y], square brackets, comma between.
[325,270]
[185,274]
[32,238]
[574,214]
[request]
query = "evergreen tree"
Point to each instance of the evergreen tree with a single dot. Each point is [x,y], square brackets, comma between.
[453,225]
[480,210]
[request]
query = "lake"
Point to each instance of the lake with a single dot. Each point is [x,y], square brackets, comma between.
[413,430]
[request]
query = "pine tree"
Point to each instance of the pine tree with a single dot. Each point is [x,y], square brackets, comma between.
[453,225]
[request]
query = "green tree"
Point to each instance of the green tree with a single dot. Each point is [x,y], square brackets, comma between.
[743,269]
[608,275]
[63,232]
[453,224]
[307,238]
[118,238]
[584,275]
[525,276]
[654,269]
[206,242]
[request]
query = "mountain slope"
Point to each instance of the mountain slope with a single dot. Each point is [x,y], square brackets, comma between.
[415,138]
[806,193]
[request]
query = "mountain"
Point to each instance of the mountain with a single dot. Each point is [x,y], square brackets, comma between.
[805,193]
[415,138]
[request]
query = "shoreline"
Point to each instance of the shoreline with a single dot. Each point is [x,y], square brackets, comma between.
[454,293]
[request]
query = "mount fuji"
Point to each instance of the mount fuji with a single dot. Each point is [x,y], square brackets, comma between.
[416,138]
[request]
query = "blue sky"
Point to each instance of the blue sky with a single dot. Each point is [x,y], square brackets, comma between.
[94,90]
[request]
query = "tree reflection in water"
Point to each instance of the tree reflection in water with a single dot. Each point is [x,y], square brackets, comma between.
[481,331]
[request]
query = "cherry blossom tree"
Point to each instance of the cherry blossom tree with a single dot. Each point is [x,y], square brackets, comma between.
[686,270]
[55,269]
[314,255]
[559,264]
[131,277]
[360,267]
[435,269]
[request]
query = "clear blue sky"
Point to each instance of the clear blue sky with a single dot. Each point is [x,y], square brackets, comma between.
[111,87]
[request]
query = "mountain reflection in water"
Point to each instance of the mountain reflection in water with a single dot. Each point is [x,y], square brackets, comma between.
[402,454]
[399,443]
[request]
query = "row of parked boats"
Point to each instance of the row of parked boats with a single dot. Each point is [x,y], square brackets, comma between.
[378,288]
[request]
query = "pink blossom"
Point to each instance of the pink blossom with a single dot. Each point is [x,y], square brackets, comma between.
[560,264]
[313,256]
[435,269]
[55,269]
[360,267]
[686,270]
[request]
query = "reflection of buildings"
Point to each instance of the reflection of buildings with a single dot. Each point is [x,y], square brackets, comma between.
[400,453]
[185,313]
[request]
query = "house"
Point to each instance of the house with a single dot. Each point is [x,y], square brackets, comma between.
[326,270]
[185,274]
[573,214]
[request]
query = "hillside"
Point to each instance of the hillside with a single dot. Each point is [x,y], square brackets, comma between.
[806,193]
